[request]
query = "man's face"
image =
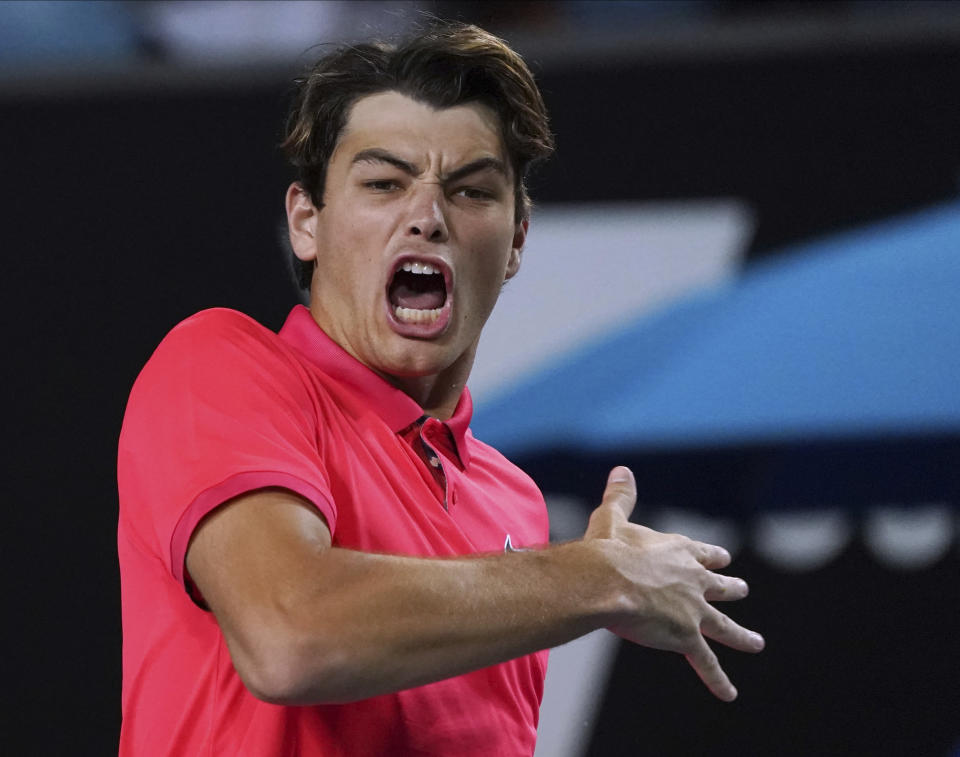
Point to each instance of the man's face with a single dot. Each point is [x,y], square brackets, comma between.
[416,236]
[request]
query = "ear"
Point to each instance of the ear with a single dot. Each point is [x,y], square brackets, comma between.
[301,222]
[516,249]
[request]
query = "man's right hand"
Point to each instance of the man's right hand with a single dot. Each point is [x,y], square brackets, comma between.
[307,622]
[668,582]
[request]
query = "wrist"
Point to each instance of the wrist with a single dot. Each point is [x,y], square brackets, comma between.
[598,580]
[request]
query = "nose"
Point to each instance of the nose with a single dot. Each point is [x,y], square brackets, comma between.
[427,218]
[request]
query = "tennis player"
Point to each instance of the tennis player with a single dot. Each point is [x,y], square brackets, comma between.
[317,556]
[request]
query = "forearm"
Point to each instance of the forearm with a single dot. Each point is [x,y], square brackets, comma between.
[310,623]
[371,624]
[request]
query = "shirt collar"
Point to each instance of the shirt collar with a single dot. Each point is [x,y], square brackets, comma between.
[395,408]
[459,425]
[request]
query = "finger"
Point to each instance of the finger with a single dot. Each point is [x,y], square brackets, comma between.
[726,589]
[710,556]
[621,491]
[717,626]
[705,663]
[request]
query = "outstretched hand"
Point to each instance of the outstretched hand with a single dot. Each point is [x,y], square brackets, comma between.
[669,583]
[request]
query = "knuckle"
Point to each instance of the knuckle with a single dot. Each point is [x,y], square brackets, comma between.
[613,500]
[621,488]
[704,659]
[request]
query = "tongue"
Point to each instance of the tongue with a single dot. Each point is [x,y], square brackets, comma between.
[410,298]
[421,292]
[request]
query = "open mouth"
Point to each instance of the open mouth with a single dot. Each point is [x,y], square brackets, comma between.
[418,292]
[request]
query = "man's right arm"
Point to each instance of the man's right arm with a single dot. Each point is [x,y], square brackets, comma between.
[310,623]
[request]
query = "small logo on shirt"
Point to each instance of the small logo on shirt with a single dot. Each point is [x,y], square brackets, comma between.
[508,546]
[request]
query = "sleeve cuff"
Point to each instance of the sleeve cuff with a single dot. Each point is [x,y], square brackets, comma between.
[235,485]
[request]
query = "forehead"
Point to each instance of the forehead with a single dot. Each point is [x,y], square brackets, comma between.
[417,131]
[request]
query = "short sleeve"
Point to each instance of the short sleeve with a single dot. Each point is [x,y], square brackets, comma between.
[221,408]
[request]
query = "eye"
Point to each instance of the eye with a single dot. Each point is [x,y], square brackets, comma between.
[475,193]
[382,185]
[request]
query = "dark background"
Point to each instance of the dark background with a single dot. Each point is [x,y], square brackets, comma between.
[128,210]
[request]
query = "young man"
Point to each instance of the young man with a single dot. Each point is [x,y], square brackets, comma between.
[312,543]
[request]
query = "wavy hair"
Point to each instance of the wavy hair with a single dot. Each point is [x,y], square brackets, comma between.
[446,65]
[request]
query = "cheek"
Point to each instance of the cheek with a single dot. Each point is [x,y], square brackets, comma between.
[352,250]
[488,275]
[498,256]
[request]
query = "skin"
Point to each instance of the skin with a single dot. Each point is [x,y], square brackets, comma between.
[375,211]
[310,623]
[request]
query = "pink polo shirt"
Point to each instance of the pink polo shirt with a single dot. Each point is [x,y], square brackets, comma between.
[225,406]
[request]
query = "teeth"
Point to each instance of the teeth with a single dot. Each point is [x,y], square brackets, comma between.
[412,315]
[415,267]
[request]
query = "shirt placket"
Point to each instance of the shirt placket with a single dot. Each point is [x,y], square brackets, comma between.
[435,440]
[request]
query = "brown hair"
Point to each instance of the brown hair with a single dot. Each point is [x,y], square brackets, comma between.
[448,64]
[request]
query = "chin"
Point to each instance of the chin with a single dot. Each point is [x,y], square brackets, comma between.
[420,360]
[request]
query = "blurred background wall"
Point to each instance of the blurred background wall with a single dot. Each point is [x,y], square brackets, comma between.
[790,170]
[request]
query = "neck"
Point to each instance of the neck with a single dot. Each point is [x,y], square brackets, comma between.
[437,394]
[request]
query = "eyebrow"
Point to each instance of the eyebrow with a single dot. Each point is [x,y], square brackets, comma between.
[378,155]
[475,166]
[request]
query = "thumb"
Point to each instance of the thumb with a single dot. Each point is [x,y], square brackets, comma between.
[621,491]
